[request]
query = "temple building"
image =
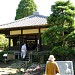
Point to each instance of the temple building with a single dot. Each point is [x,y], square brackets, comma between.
[27,29]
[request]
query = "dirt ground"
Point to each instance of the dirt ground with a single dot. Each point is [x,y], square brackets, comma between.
[6,68]
[4,65]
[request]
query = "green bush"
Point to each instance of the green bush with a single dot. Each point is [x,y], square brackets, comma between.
[5,52]
[60,53]
[1,55]
[63,53]
[40,57]
[3,41]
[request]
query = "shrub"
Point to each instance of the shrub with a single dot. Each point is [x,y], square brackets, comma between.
[60,53]
[5,52]
[3,41]
[63,53]
[40,57]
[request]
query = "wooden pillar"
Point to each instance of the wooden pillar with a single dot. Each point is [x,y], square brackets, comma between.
[9,38]
[19,44]
[9,43]
[21,40]
[39,40]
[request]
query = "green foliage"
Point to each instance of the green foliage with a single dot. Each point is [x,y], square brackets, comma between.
[63,13]
[63,53]
[3,41]
[71,38]
[60,53]
[5,52]
[60,35]
[40,57]
[25,8]
[61,25]
[53,35]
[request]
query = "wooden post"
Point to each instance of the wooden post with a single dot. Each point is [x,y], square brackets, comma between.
[9,43]
[39,40]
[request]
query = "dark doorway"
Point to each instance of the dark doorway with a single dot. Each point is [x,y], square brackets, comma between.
[31,42]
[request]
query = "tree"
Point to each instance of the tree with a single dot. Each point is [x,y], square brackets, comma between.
[61,25]
[3,41]
[25,8]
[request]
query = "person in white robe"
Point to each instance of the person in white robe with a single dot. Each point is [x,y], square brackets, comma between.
[23,51]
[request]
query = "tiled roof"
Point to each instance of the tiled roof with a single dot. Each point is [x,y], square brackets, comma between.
[33,20]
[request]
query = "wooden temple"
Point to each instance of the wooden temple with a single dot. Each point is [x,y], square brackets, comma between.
[27,29]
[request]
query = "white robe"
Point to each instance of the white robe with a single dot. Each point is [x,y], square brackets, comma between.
[23,51]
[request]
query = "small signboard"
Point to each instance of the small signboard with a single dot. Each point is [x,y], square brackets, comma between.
[66,67]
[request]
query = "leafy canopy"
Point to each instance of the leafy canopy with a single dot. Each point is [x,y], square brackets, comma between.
[25,8]
[3,41]
[61,25]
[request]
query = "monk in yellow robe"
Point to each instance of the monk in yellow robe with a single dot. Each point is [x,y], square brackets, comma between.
[52,67]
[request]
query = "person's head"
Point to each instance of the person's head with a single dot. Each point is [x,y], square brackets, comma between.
[24,42]
[51,58]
